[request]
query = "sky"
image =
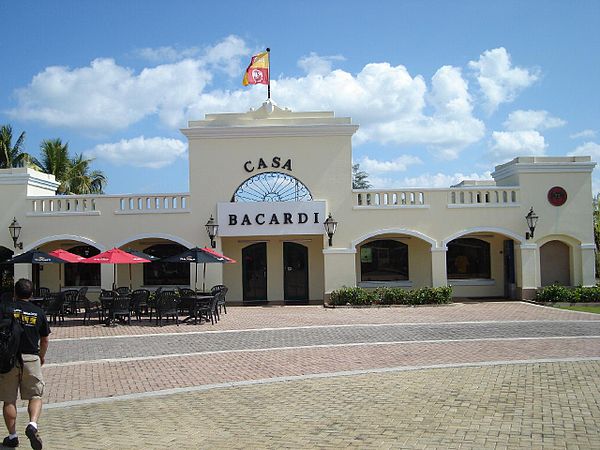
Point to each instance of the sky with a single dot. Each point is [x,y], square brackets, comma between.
[442,90]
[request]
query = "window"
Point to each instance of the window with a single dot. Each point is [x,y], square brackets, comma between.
[468,258]
[166,274]
[83,274]
[272,187]
[384,260]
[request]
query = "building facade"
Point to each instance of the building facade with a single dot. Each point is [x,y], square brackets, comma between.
[270,177]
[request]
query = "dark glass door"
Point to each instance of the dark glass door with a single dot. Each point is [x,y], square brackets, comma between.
[295,273]
[254,273]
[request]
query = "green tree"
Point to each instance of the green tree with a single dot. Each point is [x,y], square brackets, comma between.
[359,178]
[12,155]
[73,173]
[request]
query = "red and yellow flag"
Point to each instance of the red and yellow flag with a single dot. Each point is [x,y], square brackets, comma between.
[258,70]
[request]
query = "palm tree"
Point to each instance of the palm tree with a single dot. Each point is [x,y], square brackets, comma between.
[11,155]
[81,180]
[73,174]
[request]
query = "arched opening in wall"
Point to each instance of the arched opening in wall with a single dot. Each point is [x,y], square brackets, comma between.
[272,187]
[468,258]
[254,273]
[555,263]
[82,274]
[165,273]
[384,260]
[7,272]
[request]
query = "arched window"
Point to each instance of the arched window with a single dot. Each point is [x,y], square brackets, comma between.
[83,274]
[272,187]
[166,274]
[384,260]
[468,258]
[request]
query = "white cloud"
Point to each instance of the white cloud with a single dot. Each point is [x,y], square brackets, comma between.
[226,55]
[521,120]
[166,54]
[588,149]
[584,134]
[499,80]
[152,153]
[427,180]
[509,144]
[318,65]
[400,164]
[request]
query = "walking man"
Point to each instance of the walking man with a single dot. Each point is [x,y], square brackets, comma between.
[26,376]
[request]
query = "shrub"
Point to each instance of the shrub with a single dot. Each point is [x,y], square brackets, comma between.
[555,293]
[589,294]
[391,296]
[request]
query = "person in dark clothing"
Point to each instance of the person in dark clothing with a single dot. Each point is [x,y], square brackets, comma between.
[26,376]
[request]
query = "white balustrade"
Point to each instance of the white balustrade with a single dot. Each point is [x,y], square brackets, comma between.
[489,196]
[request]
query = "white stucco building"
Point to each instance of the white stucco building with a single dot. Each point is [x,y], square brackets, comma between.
[270,177]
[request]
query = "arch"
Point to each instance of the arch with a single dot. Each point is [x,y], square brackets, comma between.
[271,187]
[509,233]
[555,263]
[65,237]
[566,239]
[384,231]
[166,236]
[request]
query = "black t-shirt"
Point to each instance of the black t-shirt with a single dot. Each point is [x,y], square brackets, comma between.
[35,325]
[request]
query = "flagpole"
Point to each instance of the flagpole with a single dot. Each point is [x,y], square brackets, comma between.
[269,85]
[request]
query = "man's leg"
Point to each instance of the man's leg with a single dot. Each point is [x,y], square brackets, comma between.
[9,411]
[34,409]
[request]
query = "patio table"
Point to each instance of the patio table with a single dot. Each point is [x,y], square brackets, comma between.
[196,301]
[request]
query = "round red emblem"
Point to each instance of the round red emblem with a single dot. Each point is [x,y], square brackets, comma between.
[557,196]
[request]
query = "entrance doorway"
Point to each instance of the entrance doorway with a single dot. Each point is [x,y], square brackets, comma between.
[555,263]
[254,273]
[295,273]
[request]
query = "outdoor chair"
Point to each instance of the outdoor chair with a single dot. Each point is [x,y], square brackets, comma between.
[90,308]
[186,304]
[208,310]
[139,302]
[120,309]
[54,307]
[43,292]
[122,291]
[106,299]
[70,304]
[81,297]
[220,291]
[167,305]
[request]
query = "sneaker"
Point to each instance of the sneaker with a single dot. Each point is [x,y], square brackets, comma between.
[34,437]
[10,443]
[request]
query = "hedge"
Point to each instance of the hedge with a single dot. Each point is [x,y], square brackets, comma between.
[391,296]
[556,293]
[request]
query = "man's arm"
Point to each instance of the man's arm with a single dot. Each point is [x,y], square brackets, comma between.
[43,348]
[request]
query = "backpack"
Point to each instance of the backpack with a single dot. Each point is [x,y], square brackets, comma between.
[10,340]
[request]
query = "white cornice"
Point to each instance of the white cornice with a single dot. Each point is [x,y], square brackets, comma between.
[269,131]
[541,167]
[28,180]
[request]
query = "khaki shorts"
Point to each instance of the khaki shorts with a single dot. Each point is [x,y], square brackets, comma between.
[27,379]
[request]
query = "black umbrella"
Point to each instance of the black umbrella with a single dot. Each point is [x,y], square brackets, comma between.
[197,255]
[34,256]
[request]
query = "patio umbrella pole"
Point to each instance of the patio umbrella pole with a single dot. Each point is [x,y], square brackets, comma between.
[204,278]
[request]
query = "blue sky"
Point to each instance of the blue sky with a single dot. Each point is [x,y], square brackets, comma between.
[442,90]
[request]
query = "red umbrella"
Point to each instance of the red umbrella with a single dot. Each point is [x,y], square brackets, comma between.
[218,255]
[68,257]
[115,256]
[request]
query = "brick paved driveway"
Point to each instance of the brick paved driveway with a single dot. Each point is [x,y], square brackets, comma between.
[482,375]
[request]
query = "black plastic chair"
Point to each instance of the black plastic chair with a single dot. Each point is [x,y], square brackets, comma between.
[122,290]
[208,310]
[43,292]
[220,291]
[54,307]
[106,299]
[167,305]
[120,309]
[90,308]
[139,302]
[70,304]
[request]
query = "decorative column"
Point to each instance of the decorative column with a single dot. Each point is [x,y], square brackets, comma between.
[439,275]
[107,277]
[23,271]
[588,264]
[529,271]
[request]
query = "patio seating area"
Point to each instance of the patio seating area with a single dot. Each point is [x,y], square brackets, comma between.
[122,306]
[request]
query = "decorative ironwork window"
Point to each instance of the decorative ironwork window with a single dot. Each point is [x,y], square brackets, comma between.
[384,260]
[272,187]
[468,258]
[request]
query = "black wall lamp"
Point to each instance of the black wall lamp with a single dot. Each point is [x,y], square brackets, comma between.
[15,231]
[212,228]
[330,226]
[531,219]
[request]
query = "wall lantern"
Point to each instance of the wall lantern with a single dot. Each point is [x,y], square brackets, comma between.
[531,219]
[212,228]
[15,231]
[330,226]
